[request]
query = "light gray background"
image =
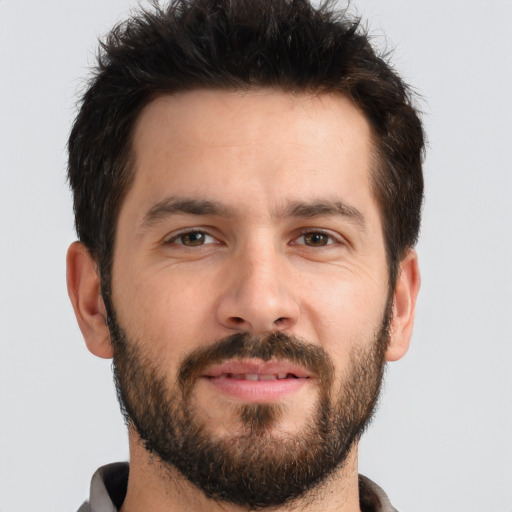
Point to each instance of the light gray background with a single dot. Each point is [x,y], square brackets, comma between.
[442,439]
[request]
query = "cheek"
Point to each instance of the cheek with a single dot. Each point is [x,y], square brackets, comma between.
[345,315]
[165,312]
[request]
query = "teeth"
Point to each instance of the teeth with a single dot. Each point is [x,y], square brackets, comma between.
[254,376]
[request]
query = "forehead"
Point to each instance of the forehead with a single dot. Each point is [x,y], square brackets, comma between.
[258,143]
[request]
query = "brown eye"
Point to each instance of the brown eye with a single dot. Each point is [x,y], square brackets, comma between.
[192,239]
[316,239]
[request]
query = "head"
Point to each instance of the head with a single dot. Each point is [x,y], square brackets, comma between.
[247,183]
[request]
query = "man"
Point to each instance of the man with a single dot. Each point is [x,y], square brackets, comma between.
[247,184]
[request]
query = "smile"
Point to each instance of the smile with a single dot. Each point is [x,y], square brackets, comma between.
[258,377]
[257,381]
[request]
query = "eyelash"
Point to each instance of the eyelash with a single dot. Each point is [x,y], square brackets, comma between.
[184,234]
[331,239]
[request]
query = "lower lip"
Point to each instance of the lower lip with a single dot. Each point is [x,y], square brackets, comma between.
[257,391]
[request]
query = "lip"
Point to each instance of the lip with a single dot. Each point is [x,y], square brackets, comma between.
[257,366]
[229,379]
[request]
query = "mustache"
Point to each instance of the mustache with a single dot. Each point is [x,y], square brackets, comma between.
[278,345]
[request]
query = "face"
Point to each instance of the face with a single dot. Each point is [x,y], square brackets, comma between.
[250,291]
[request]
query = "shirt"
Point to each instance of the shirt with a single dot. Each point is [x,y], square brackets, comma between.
[109,484]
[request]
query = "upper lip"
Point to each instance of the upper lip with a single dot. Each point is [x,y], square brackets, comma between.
[256,366]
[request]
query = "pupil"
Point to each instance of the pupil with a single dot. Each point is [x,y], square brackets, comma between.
[316,239]
[196,238]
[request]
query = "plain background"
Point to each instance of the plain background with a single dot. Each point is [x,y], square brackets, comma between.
[442,439]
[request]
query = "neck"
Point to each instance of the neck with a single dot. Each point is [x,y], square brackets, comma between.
[153,487]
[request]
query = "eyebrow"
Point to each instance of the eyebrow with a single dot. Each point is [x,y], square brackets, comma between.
[176,206]
[308,210]
[295,209]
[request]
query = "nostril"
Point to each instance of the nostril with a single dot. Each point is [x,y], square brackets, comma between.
[237,320]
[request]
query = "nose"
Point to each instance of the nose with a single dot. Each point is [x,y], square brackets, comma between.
[257,295]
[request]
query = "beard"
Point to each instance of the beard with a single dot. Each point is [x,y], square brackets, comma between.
[254,467]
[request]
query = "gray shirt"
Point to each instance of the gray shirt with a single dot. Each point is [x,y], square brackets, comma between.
[109,483]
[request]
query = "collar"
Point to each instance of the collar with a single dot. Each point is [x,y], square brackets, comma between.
[109,484]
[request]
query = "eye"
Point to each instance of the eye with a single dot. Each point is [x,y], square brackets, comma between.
[192,239]
[315,239]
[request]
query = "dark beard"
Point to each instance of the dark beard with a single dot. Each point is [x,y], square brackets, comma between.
[253,467]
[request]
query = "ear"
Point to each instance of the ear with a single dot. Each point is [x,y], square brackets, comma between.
[84,291]
[404,305]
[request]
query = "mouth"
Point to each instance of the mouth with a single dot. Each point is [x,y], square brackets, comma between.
[257,381]
[257,376]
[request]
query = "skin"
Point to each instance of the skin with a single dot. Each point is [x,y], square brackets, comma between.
[256,154]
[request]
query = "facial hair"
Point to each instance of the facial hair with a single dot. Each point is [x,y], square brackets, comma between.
[253,467]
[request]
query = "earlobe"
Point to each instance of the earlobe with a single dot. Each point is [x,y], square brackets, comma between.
[83,283]
[404,305]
